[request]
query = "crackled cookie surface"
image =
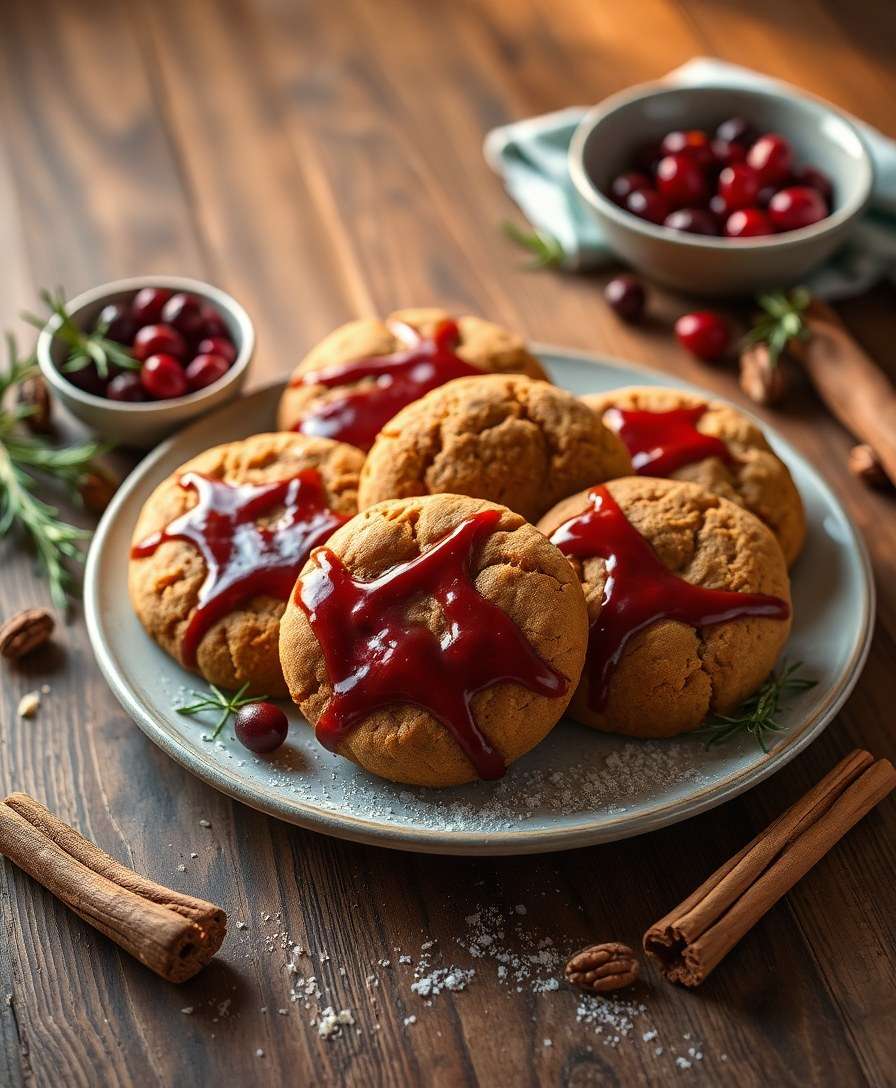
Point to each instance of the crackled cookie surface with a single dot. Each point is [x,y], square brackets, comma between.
[364,372]
[462,593]
[219,543]
[669,674]
[522,443]
[742,467]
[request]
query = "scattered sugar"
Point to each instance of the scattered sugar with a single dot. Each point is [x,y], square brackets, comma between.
[29,704]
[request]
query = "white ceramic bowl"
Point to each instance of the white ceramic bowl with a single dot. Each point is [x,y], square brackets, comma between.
[145,423]
[608,137]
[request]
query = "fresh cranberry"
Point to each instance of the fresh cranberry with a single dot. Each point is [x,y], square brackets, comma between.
[217,345]
[703,334]
[771,158]
[736,130]
[87,379]
[647,204]
[158,339]
[163,377]
[182,312]
[738,186]
[212,323]
[261,727]
[718,208]
[126,386]
[727,152]
[748,223]
[815,179]
[646,157]
[692,220]
[627,297]
[629,183]
[146,308]
[205,370]
[796,207]
[693,142]
[765,195]
[118,323]
[680,180]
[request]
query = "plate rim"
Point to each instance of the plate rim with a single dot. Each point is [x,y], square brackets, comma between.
[478,843]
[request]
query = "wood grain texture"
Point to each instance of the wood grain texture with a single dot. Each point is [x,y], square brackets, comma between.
[322,160]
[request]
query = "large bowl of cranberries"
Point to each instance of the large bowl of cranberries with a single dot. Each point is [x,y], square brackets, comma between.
[136,358]
[721,190]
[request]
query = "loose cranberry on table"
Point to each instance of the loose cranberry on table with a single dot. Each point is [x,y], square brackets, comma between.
[738,186]
[126,387]
[163,377]
[693,221]
[626,295]
[771,158]
[158,339]
[261,727]
[748,223]
[704,334]
[205,370]
[680,180]
[647,204]
[799,206]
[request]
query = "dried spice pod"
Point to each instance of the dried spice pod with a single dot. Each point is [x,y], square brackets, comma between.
[34,395]
[865,464]
[603,967]
[96,490]
[25,632]
[764,378]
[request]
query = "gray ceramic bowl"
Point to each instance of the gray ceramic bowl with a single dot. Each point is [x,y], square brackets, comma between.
[146,423]
[607,138]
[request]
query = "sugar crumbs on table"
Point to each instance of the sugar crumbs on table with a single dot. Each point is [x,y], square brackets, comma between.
[29,705]
[331,1021]
[205,823]
[410,1020]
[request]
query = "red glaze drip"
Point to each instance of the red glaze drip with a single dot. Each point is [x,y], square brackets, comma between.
[639,590]
[661,442]
[376,656]
[401,377]
[244,559]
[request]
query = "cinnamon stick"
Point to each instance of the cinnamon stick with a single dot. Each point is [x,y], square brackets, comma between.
[693,938]
[172,933]
[847,379]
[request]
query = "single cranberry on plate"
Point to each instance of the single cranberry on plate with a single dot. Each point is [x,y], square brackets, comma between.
[118,322]
[146,309]
[692,221]
[704,334]
[815,179]
[738,186]
[771,158]
[736,130]
[261,727]
[212,322]
[798,206]
[626,295]
[647,204]
[680,180]
[627,183]
[182,311]
[727,152]
[126,387]
[163,377]
[748,223]
[693,142]
[158,340]
[206,370]
[217,345]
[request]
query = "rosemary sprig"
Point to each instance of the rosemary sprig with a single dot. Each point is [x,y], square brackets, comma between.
[782,320]
[546,251]
[758,715]
[218,700]
[84,348]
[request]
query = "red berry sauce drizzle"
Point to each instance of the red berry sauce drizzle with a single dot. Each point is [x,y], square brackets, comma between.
[377,657]
[401,377]
[639,590]
[661,442]
[245,559]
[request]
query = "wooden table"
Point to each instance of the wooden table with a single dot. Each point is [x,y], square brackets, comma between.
[322,161]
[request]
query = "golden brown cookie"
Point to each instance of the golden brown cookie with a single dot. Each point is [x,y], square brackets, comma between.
[165,582]
[480,344]
[669,675]
[516,573]
[522,443]
[753,477]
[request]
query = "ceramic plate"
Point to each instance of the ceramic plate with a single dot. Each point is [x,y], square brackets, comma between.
[578,787]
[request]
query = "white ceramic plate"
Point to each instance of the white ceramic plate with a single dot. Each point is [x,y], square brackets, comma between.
[578,787]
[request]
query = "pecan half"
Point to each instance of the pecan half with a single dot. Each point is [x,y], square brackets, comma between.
[864,463]
[34,395]
[603,967]
[96,490]
[25,632]
[763,380]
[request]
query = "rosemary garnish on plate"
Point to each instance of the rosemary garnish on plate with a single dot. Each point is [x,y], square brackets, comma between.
[758,715]
[782,320]
[84,348]
[546,251]
[218,700]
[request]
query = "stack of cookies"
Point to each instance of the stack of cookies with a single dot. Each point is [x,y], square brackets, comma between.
[439,553]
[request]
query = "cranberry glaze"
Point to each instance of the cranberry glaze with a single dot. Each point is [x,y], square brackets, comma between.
[661,442]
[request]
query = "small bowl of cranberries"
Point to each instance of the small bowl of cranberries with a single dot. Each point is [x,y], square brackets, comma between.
[168,349]
[721,190]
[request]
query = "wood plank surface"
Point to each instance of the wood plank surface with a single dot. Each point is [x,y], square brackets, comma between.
[322,160]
